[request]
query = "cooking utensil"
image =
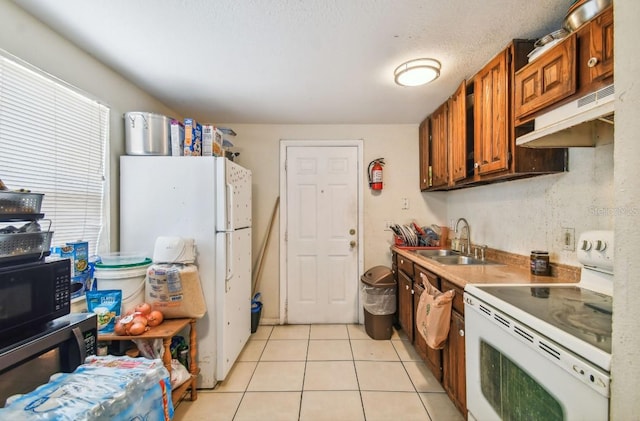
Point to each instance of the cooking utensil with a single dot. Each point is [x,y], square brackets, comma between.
[558,34]
[583,11]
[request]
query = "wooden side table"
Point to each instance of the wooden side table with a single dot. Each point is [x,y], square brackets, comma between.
[165,331]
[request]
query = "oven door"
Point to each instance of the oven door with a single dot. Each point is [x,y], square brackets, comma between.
[513,372]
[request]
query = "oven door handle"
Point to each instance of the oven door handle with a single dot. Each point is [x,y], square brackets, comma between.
[80,342]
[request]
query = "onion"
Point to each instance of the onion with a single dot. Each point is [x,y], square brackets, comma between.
[143,308]
[120,328]
[139,318]
[137,329]
[155,318]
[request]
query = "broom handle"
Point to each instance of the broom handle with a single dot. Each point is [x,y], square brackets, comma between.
[264,250]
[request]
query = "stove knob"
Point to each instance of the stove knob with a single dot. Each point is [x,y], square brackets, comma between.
[601,245]
[586,245]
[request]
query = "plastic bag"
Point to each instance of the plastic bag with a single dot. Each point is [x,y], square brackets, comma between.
[433,315]
[179,374]
[107,305]
[150,348]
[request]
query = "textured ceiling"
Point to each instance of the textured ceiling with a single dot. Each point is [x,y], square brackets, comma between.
[295,61]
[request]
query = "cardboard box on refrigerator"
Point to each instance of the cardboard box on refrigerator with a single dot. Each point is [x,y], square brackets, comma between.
[192,137]
[177,138]
[211,141]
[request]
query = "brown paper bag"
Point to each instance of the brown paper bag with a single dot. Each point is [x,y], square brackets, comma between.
[434,315]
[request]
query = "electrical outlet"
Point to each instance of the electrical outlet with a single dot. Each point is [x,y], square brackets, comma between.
[405,203]
[568,239]
[387,225]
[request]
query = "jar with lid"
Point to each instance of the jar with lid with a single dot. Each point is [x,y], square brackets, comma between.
[540,263]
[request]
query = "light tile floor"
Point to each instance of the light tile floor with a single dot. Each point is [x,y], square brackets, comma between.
[323,372]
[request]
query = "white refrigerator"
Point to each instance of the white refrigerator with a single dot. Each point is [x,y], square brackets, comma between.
[207,199]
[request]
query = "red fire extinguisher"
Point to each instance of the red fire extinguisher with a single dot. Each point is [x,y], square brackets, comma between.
[375,174]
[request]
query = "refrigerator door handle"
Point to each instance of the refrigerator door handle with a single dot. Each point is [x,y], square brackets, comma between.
[229,258]
[230,206]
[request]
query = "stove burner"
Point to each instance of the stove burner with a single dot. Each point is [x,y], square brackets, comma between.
[588,322]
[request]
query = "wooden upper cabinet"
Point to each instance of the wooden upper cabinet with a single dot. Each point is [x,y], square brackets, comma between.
[600,61]
[458,134]
[491,115]
[439,146]
[546,80]
[423,152]
[580,64]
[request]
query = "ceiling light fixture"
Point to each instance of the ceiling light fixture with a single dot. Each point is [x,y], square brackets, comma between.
[417,72]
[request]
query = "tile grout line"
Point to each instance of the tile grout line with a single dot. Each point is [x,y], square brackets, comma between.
[244,393]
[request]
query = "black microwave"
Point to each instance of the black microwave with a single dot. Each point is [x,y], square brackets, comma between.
[31,295]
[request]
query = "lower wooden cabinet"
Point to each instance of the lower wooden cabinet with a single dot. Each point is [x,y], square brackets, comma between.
[405,304]
[453,365]
[447,364]
[433,357]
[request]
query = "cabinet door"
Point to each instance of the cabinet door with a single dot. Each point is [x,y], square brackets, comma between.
[548,79]
[491,112]
[419,343]
[458,134]
[455,367]
[600,62]
[424,152]
[439,142]
[453,354]
[405,304]
[394,270]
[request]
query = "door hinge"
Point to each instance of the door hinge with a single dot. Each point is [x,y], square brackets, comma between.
[509,157]
[286,236]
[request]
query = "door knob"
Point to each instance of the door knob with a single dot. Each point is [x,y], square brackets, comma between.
[592,62]
[352,244]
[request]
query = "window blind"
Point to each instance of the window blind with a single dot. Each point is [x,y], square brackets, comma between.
[52,141]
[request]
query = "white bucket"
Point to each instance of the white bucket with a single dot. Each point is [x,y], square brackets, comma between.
[130,279]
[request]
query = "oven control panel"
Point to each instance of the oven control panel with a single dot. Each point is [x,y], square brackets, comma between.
[595,250]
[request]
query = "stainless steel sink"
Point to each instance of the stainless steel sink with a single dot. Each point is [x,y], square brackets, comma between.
[437,253]
[462,260]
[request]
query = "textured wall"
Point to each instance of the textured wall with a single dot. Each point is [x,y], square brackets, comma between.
[524,215]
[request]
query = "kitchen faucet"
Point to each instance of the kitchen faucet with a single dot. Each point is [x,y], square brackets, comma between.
[468,248]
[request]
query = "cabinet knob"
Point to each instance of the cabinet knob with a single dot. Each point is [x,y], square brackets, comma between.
[461,332]
[476,164]
[592,62]
[406,287]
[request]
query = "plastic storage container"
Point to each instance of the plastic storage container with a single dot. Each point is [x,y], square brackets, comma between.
[379,301]
[129,278]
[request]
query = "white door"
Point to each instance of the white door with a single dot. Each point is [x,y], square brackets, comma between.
[322,234]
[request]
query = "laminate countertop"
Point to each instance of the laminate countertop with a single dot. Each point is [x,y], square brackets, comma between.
[462,275]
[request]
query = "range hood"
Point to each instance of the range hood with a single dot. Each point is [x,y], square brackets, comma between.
[577,123]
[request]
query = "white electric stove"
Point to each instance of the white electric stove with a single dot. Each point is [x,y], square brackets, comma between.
[543,351]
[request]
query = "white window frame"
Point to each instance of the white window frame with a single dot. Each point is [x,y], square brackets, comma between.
[54,140]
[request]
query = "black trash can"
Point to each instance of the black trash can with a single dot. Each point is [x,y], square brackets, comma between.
[379,301]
